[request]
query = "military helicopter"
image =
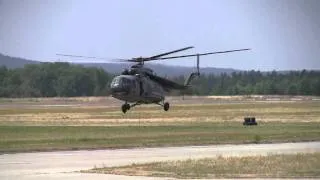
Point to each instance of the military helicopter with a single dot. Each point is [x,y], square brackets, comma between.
[140,85]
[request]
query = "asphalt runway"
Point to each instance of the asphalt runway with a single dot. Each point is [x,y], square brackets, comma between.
[66,164]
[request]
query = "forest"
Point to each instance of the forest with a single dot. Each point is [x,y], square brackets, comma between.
[69,80]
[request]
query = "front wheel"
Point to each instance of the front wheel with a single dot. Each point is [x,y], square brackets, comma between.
[124,108]
[166,106]
[128,106]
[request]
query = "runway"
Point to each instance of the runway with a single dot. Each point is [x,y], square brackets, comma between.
[66,164]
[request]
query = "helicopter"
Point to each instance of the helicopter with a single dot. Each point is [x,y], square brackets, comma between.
[140,85]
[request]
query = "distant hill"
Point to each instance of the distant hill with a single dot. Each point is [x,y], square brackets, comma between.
[116,68]
[13,62]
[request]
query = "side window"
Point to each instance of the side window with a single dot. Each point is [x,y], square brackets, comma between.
[126,82]
[133,83]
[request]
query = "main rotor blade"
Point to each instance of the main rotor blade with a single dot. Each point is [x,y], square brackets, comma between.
[203,54]
[90,57]
[167,53]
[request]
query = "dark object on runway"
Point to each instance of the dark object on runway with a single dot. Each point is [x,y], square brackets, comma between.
[248,121]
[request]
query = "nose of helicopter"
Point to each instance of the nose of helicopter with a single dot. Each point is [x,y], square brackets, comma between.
[119,85]
[117,88]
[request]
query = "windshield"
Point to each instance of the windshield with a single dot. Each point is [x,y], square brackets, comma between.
[121,82]
[116,81]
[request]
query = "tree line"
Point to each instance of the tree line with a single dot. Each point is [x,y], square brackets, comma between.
[68,80]
[53,79]
[255,82]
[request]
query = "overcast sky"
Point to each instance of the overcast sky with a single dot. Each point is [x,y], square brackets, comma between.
[283,34]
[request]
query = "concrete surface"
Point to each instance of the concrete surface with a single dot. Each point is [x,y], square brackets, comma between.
[65,164]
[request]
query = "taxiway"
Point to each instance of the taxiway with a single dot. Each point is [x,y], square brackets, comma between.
[67,164]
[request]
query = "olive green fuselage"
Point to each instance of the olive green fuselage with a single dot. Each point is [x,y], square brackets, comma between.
[135,88]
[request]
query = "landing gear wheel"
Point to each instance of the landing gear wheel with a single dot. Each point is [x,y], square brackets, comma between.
[166,106]
[128,106]
[125,107]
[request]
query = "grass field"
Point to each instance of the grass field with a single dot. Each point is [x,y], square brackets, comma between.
[272,166]
[42,138]
[88,123]
[103,114]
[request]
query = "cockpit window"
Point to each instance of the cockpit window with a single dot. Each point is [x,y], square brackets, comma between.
[116,81]
[121,81]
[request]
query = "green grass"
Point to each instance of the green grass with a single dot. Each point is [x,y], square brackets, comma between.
[272,166]
[39,127]
[48,138]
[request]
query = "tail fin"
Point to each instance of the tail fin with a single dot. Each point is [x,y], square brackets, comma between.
[194,74]
[190,78]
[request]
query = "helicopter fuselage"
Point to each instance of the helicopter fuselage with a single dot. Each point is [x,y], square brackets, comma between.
[136,89]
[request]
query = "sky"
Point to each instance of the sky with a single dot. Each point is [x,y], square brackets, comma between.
[282,34]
